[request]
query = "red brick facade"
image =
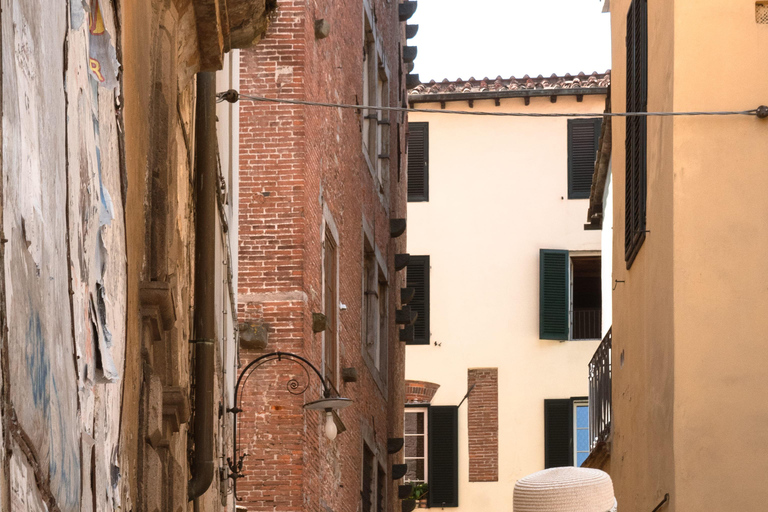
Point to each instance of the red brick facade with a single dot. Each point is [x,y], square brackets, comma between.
[303,172]
[483,423]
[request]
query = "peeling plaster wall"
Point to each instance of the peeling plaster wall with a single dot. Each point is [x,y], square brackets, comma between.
[63,262]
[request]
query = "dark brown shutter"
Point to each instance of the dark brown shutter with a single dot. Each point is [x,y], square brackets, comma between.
[558,433]
[331,308]
[583,135]
[443,456]
[635,144]
[366,492]
[418,162]
[554,266]
[417,276]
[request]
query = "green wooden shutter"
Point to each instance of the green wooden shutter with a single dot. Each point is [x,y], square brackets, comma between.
[443,456]
[553,294]
[558,433]
[418,162]
[583,135]
[417,277]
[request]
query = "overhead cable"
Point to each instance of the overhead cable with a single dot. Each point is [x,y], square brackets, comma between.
[233,96]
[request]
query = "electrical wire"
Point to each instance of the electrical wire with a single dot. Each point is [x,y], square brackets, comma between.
[233,96]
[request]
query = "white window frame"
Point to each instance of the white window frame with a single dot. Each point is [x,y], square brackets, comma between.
[571,256]
[425,412]
[576,404]
[329,225]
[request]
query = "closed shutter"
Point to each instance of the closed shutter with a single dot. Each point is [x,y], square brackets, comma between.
[417,277]
[635,143]
[443,456]
[583,135]
[418,162]
[366,493]
[329,270]
[553,294]
[558,433]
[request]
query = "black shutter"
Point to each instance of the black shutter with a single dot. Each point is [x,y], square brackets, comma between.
[418,162]
[583,135]
[558,433]
[635,143]
[554,267]
[417,277]
[443,456]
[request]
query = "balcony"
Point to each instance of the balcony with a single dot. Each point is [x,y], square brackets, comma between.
[600,393]
[587,324]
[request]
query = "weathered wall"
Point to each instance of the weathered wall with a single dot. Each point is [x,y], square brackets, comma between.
[303,168]
[511,177]
[64,267]
[689,321]
[97,251]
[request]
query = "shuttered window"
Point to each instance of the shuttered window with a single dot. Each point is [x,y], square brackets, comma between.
[554,322]
[418,279]
[443,456]
[635,144]
[418,162]
[331,308]
[583,135]
[558,433]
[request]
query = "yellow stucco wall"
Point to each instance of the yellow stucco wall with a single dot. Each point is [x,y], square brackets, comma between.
[498,193]
[689,358]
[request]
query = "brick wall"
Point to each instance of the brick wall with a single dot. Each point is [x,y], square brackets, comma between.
[483,420]
[300,167]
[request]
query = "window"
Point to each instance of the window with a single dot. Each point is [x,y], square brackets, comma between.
[416,445]
[581,431]
[374,485]
[566,432]
[376,125]
[417,277]
[635,144]
[432,452]
[418,162]
[376,314]
[570,296]
[583,135]
[331,307]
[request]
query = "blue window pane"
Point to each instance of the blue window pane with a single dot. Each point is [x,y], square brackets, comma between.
[582,440]
[582,416]
[581,457]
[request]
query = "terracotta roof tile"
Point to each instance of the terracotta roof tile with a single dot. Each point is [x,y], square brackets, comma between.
[553,82]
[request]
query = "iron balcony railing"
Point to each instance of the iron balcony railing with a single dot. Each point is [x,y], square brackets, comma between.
[587,324]
[600,393]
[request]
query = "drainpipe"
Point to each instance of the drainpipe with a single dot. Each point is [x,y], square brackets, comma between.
[204,323]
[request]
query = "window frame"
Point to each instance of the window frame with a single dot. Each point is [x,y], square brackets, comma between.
[376,311]
[424,410]
[576,403]
[378,471]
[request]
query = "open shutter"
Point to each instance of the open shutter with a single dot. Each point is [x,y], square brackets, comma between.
[553,294]
[636,136]
[558,433]
[443,455]
[418,162]
[583,135]
[417,277]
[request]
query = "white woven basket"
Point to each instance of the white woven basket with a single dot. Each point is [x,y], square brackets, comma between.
[567,489]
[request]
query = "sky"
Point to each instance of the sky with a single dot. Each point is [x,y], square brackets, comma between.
[479,38]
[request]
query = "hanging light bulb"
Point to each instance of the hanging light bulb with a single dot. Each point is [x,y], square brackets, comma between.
[330,426]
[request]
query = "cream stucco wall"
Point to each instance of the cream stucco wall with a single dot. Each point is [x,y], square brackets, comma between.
[498,194]
[689,378]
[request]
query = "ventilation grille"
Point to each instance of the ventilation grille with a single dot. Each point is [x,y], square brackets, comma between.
[761,13]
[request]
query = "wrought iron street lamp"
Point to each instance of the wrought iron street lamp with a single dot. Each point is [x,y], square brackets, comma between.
[327,403]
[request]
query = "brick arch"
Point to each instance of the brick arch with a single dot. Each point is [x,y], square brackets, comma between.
[419,391]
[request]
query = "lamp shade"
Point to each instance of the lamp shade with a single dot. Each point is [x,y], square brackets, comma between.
[325,404]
